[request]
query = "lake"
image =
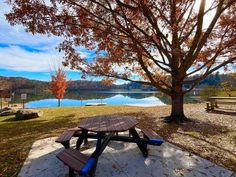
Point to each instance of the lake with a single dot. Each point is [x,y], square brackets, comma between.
[139,98]
[134,98]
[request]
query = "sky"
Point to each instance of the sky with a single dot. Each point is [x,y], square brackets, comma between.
[32,56]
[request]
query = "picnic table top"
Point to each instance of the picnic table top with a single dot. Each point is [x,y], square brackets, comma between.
[108,123]
[222,97]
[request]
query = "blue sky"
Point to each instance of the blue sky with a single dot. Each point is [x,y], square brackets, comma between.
[32,56]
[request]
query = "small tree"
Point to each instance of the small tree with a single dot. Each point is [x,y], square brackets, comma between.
[208,91]
[58,84]
[227,87]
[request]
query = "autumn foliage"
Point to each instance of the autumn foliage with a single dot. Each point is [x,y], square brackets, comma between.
[58,84]
[154,42]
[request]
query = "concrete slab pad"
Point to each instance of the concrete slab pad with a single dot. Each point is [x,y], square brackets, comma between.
[123,160]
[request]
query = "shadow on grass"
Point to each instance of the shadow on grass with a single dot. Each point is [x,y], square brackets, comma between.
[230,113]
[11,119]
[210,143]
[164,129]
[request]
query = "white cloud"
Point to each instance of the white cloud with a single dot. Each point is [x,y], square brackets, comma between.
[17,34]
[19,46]
[18,59]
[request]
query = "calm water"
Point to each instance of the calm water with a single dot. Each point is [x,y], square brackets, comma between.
[110,98]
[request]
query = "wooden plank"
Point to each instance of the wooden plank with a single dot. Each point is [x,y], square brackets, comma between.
[132,122]
[78,155]
[108,123]
[124,123]
[150,133]
[65,136]
[74,129]
[226,102]
[71,162]
[112,124]
[69,159]
[215,98]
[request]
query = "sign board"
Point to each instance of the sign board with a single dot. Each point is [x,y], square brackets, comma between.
[8,99]
[5,94]
[23,96]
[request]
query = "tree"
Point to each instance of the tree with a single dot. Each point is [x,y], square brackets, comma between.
[227,87]
[154,42]
[58,84]
[5,84]
[208,91]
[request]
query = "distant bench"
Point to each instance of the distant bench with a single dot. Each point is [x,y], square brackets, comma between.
[214,101]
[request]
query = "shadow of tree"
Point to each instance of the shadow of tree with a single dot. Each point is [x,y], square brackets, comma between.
[204,136]
[230,113]
[211,143]
[205,128]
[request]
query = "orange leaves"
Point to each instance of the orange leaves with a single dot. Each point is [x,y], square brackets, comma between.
[58,84]
[107,82]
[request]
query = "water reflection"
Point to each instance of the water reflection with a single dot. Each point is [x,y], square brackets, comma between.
[114,100]
[109,97]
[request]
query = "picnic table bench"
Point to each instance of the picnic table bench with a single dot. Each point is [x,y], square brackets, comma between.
[66,136]
[104,129]
[215,101]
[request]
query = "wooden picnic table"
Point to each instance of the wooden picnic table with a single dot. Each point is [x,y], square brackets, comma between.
[108,123]
[215,100]
[104,128]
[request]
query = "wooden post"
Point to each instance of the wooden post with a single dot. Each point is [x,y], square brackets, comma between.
[23,103]
[1,103]
[23,98]
[208,106]
[216,105]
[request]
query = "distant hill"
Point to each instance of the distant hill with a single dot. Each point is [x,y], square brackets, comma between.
[214,80]
[20,85]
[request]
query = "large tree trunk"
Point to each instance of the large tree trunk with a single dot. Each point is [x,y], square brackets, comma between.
[59,102]
[177,104]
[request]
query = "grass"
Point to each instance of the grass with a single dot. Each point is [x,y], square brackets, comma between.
[223,93]
[211,135]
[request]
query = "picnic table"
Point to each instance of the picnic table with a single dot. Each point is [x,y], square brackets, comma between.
[103,128]
[215,100]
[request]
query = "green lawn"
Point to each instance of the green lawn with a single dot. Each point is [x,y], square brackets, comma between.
[18,136]
[222,93]
[210,135]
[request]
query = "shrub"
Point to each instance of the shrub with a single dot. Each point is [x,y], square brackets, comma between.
[208,91]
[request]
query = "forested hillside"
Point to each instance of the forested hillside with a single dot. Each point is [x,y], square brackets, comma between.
[19,84]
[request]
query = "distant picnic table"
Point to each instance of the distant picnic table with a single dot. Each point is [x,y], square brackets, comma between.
[215,100]
[103,128]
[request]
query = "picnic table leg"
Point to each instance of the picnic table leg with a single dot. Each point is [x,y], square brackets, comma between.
[66,144]
[82,137]
[96,153]
[71,172]
[100,146]
[142,146]
[212,105]
[216,105]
